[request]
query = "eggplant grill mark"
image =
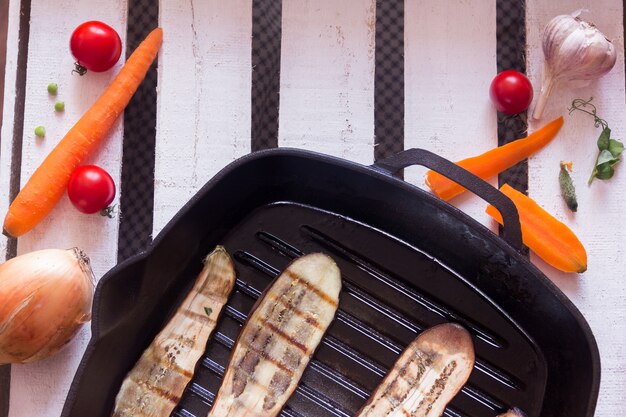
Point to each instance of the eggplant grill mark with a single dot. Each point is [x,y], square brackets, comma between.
[155,357]
[278,385]
[284,367]
[202,318]
[291,358]
[421,361]
[436,390]
[245,368]
[287,337]
[309,286]
[396,395]
[240,381]
[168,396]
[215,291]
[255,351]
[305,315]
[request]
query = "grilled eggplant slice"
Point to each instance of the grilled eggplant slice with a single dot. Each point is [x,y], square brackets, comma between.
[515,412]
[155,385]
[428,374]
[279,338]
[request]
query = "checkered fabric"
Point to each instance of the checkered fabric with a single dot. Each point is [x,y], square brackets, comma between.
[389,78]
[511,41]
[266,44]
[511,44]
[137,183]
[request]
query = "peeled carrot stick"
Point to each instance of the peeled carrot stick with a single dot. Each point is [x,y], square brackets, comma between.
[493,162]
[550,239]
[48,183]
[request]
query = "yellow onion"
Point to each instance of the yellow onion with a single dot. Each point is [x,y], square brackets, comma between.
[45,296]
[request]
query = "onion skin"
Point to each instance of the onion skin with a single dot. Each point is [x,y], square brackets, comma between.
[45,296]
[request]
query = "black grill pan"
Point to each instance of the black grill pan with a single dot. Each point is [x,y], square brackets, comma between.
[408,261]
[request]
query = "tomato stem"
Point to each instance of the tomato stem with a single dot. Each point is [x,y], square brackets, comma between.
[79,69]
[108,212]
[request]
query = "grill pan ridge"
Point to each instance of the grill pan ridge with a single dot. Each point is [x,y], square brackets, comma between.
[408,261]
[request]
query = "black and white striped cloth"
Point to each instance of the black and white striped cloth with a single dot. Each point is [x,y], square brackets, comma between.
[137,179]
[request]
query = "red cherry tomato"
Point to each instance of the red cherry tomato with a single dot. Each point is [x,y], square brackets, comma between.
[91,189]
[96,46]
[511,92]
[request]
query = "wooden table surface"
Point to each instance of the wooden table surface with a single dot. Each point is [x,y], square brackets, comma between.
[328,104]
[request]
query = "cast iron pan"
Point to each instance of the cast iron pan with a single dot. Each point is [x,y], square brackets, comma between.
[408,261]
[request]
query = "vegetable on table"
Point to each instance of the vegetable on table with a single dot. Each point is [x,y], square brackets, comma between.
[96,47]
[610,149]
[568,191]
[574,50]
[52,89]
[511,92]
[90,189]
[550,239]
[40,131]
[279,338]
[156,383]
[59,106]
[46,296]
[428,374]
[48,183]
[494,161]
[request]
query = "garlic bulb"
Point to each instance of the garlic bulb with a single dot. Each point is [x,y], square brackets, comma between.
[574,50]
[45,296]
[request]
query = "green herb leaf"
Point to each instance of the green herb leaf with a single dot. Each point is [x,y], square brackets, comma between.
[568,192]
[603,140]
[610,149]
[605,171]
[604,157]
[208,311]
[616,147]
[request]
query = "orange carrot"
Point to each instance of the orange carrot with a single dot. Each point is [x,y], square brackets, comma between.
[48,183]
[550,239]
[493,162]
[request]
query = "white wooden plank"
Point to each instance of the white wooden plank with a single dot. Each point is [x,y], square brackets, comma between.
[204,97]
[8,112]
[600,292]
[450,59]
[327,77]
[39,389]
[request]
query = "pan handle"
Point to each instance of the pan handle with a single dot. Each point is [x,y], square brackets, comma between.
[512,229]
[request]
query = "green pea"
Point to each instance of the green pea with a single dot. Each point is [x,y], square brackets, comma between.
[53,88]
[40,131]
[59,106]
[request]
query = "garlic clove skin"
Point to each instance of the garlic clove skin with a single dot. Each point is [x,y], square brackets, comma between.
[45,297]
[574,50]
